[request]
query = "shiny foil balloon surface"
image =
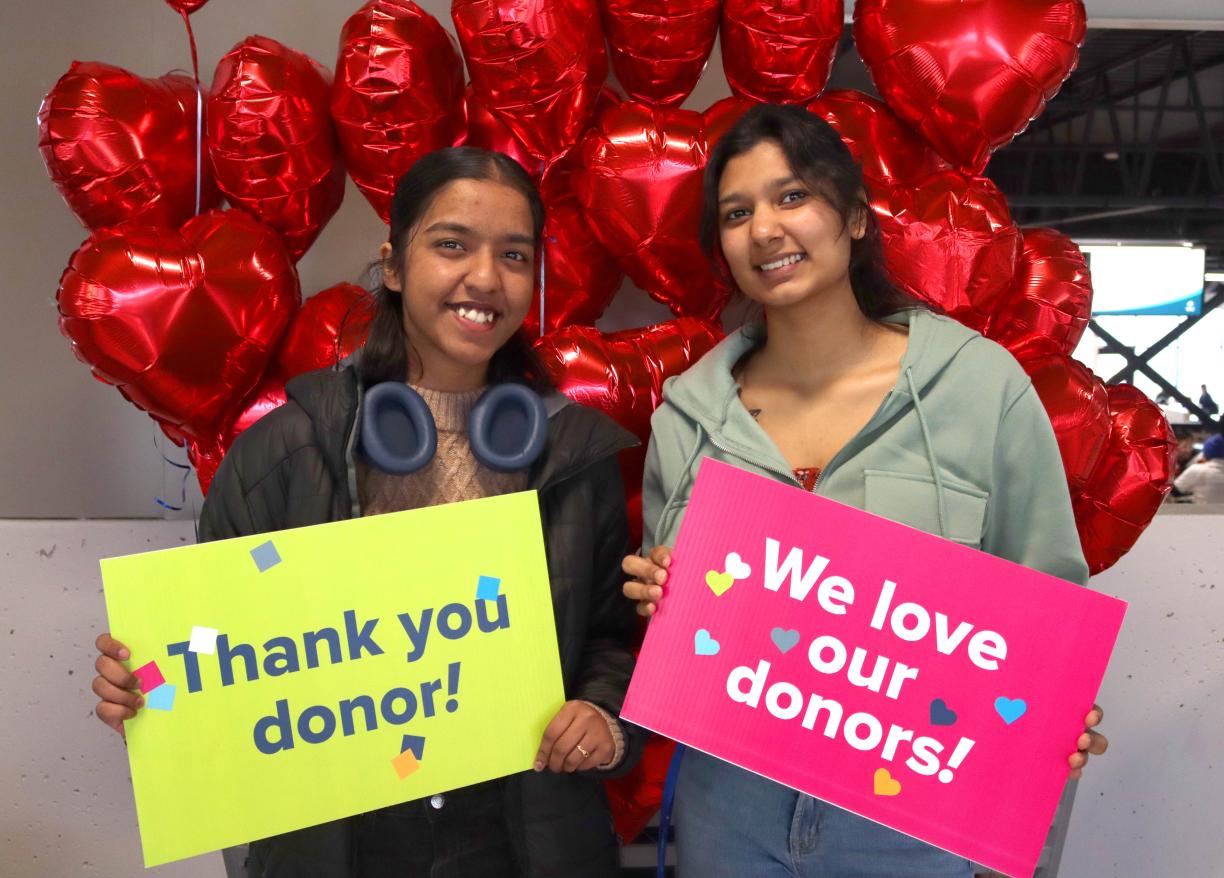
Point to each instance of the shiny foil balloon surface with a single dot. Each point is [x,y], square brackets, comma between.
[122,148]
[188,6]
[640,186]
[659,48]
[580,276]
[538,65]
[780,51]
[272,141]
[969,75]
[329,326]
[622,374]
[398,94]
[1078,407]
[183,322]
[888,150]
[1047,308]
[1130,481]
[950,241]
[486,131]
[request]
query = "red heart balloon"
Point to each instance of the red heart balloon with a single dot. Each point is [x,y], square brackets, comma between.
[330,326]
[580,276]
[970,75]
[1047,308]
[188,6]
[538,65]
[182,323]
[1078,407]
[950,241]
[1130,480]
[272,141]
[398,94]
[780,51]
[622,375]
[659,48]
[640,187]
[486,131]
[888,150]
[121,148]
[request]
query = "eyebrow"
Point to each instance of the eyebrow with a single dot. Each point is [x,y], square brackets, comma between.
[461,229]
[773,184]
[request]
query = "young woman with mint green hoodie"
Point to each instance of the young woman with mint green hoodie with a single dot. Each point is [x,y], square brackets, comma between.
[852,390]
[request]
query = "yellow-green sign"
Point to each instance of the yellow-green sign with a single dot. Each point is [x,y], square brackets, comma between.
[306,675]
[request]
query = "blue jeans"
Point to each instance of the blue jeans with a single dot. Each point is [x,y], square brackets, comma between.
[731,823]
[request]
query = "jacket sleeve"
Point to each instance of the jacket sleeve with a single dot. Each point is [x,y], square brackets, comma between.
[1030,519]
[226,513]
[607,657]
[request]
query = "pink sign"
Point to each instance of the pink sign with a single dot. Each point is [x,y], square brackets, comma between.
[919,683]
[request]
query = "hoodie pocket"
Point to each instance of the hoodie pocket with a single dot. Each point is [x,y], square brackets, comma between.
[912,499]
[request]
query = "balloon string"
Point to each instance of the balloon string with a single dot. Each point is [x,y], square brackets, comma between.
[186,468]
[543,254]
[195,67]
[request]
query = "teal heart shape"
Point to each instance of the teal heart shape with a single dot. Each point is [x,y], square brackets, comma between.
[941,714]
[1011,709]
[784,639]
[704,644]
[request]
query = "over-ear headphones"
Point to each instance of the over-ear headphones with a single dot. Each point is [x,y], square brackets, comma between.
[507,429]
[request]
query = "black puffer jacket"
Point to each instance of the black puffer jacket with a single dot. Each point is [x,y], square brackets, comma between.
[295,468]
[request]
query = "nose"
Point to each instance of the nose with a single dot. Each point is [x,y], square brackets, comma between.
[482,274]
[765,225]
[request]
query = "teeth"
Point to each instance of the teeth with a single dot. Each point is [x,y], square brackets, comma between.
[787,260]
[476,316]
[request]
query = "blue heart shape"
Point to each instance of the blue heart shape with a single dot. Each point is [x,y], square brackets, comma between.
[1011,709]
[941,714]
[704,644]
[784,639]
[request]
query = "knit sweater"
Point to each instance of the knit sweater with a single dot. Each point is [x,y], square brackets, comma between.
[452,476]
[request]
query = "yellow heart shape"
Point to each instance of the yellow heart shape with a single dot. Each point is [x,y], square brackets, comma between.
[719,582]
[884,783]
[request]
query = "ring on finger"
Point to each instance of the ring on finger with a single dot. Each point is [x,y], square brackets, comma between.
[586,754]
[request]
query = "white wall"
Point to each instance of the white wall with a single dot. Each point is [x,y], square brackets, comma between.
[1149,808]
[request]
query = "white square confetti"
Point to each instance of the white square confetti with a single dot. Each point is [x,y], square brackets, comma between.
[203,640]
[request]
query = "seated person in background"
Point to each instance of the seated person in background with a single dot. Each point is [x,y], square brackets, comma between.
[1204,479]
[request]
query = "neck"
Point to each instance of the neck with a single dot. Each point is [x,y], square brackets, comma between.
[443,374]
[814,340]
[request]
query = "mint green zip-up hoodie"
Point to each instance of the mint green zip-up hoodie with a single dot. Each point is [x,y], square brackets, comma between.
[961,447]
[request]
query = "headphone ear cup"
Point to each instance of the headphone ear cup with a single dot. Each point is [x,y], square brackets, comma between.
[508,428]
[397,429]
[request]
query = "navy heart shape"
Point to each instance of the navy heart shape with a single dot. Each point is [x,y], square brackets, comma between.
[941,714]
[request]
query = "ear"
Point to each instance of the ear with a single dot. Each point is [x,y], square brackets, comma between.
[858,217]
[391,274]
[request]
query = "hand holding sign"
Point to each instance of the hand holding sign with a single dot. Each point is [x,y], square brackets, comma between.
[115,684]
[649,575]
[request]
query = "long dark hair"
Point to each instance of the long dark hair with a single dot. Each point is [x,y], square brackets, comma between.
[385,355]
[819,158]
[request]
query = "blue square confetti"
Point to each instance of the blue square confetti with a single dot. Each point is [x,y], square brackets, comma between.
[161,698]
[487,588]
[265,556]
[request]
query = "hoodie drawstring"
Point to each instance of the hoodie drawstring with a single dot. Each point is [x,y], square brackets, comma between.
[942,503]
[681,482]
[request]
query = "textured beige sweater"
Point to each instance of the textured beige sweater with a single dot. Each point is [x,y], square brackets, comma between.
[453,475]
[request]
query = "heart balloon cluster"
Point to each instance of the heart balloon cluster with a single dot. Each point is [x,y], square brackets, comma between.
[194,314]
[154,293]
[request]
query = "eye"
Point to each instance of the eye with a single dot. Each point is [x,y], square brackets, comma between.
[735,214]
[516,255]
[449,244]
[793,196]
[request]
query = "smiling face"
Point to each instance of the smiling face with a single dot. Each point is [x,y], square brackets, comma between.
[466,276]
[783,242]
